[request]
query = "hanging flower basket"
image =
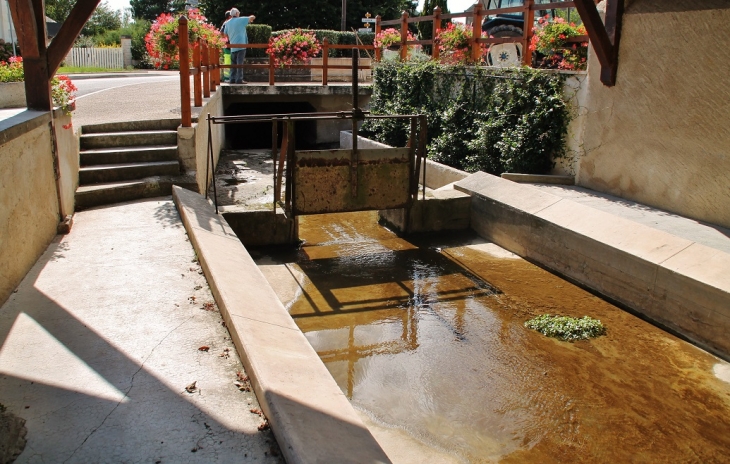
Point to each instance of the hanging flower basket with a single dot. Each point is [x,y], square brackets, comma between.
[293,47]
[163,40]
[549,39]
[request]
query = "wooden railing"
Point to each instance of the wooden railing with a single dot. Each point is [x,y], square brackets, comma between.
[207,70]
[477,16]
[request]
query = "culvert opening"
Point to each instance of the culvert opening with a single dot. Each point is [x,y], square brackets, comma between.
[258,134]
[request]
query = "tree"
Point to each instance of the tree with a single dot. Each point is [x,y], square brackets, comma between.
[58,10]
[425,28]
[151,9]
[319,14]
[103,19]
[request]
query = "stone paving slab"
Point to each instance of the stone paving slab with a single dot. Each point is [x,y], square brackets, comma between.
[310,416]
[103,336]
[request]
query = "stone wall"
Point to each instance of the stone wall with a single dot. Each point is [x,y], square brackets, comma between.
[661,136]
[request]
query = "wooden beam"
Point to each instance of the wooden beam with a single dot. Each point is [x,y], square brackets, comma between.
[70,30]
[614,14]
[605,50]
[25,27]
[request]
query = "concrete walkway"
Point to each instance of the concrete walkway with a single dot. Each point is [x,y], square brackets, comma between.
[113,350]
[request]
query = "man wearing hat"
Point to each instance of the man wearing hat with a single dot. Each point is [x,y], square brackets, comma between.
[235,30]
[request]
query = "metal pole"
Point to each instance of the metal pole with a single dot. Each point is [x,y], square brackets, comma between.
[344,15]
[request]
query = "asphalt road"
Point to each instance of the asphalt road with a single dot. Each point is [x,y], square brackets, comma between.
[112,99]
[89,86]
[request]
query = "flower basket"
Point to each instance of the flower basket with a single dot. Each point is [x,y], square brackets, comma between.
[293,47]
[12,87]
[390,41]
[163,40]
[550,40]
[455,45]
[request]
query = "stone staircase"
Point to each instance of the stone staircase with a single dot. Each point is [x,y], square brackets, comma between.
[127,160]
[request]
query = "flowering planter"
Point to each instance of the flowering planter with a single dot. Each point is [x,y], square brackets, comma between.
[341,75]
[12,95]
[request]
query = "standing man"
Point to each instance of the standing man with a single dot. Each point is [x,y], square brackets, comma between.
[235,30]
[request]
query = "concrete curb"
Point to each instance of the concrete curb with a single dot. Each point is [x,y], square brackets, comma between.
[310,416]
[75,77]
[675,282]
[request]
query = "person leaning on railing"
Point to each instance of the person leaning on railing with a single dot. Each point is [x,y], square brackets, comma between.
[235,30]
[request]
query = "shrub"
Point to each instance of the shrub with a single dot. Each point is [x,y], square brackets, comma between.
[550,39]
[293,47]
[566,328]
[257,34]
[6,50]
[493,120]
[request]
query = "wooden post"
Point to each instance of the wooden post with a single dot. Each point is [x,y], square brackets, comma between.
[325,59]
[529,15]
[212,67]
[197,83]
[436,32]
[404,36]
[205,58]
[271,70]
[184,73]
[476,49]
[377,31]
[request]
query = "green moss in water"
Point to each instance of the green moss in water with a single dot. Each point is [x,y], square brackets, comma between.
[567,328]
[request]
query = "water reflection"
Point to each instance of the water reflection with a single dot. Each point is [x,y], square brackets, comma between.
[431,341]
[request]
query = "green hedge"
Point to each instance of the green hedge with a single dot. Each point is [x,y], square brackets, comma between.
[258,34]
[479,119]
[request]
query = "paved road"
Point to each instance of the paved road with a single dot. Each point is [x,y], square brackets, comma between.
[94,85]
[113,99]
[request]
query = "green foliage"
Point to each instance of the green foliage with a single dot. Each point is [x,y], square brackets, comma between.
[425,28]
[58,10]
[323,14]
[103,19]
[257,34]
[493,120]
[151,9]
[567,328]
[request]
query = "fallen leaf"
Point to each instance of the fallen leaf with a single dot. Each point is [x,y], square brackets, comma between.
[204,348]
[209,306]
[191,388]
[256,411]
[264,425]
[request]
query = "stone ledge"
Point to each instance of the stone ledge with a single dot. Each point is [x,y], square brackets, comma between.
[310,416]
[538,178]
[679,284]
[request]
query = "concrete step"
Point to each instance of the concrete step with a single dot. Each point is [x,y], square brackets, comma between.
[132,126]
[116,192]
[128,155]
[128,139]
[126,171]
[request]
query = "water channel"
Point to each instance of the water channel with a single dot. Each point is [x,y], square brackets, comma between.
[425,336]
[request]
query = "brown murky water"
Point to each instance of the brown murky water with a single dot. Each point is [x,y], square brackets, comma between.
[426,337]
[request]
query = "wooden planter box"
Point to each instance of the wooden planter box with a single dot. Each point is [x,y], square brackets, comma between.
[342,75]
[12,95]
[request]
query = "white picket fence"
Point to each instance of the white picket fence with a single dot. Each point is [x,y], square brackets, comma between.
[96,57]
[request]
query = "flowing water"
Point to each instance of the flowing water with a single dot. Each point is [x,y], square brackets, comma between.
[426,339]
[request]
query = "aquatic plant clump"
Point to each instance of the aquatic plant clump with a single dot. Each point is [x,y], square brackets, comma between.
[566,328]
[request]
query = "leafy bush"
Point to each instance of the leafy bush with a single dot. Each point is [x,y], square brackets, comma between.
[566,328]
[493,120]
[257,34]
